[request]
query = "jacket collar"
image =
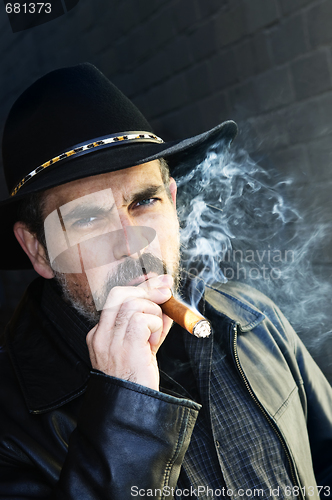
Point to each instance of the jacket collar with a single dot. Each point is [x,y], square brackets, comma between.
[50,371]
[237,302]
[51,365]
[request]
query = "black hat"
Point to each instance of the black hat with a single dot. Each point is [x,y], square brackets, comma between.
[74,123]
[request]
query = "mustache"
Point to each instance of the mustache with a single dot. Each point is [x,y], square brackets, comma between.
[128,270]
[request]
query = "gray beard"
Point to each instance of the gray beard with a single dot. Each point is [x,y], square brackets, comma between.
[88,307]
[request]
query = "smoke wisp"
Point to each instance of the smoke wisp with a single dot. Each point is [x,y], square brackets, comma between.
[237,223]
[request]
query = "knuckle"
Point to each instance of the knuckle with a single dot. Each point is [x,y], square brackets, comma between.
[122,317]
[130,305]
[158,323]
[137,320]
[89,338]
[97,345]
[136,326]
[115,296]
[115,290]
[158,310]
[91,335]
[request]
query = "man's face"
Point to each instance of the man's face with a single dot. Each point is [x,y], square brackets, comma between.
[120,228]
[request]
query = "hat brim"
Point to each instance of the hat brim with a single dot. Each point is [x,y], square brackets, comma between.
[104,161]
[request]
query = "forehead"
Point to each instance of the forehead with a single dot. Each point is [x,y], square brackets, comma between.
[122,183]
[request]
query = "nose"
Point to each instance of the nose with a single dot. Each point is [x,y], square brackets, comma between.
[132,241]
[121,248]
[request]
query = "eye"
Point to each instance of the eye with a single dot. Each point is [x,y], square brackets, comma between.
[146,202]
[87,222]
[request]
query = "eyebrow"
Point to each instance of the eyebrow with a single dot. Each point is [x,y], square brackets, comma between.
[85,211]
[144,193]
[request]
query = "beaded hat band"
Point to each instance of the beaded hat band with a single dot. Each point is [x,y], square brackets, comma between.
[111,140]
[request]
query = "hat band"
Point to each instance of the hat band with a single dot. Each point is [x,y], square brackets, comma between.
[83,148]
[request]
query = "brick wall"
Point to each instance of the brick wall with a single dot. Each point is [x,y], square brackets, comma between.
[189,64]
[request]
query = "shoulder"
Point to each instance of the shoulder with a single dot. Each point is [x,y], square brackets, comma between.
[249,308]
[244,294]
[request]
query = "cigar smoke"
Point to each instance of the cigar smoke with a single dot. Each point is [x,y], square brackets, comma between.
[240,223]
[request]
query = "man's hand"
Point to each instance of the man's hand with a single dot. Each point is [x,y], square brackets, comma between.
[131,329]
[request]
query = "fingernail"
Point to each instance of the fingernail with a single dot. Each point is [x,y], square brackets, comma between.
[165,291]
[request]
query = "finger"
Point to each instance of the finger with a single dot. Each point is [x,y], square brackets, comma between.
[118,294]
[116,298]
[163,280]
[128,314]
[134,336]
[113,333]
[125,301]
[159,295]
[158,288]
[89,341]
[141,327]
[157,291]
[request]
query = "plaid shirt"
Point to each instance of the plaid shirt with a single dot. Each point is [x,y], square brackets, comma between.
[233,446]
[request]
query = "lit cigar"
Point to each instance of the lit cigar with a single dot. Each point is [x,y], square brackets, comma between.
[191,321]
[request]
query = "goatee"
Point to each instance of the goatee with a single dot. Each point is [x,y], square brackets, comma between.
[89,305]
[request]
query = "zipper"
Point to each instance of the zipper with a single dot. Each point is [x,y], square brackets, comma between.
[274,427]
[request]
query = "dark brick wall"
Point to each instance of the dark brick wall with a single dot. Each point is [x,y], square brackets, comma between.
[266,63]
[189,64]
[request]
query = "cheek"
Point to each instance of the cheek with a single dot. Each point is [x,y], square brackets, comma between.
[168,237]
[98,276]
[77,284]
[68,261]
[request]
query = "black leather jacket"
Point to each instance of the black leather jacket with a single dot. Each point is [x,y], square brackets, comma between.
[66,433]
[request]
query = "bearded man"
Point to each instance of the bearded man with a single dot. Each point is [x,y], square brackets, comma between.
[102,395]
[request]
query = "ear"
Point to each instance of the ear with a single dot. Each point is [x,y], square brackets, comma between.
[34,250]
[173,189]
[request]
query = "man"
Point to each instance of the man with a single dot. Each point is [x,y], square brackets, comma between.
[101,396]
